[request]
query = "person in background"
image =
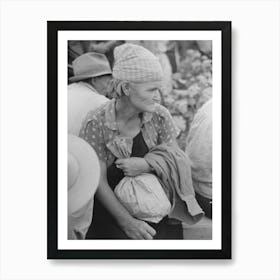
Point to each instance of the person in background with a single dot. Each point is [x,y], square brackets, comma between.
[89,87]
[92,73]
[105,47]
[82,184]
[199,150]
[92,70]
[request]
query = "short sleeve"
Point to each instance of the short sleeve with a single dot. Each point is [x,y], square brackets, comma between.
[92,133]
[168,130]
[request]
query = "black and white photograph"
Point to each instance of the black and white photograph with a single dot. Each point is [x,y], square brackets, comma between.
[138,141]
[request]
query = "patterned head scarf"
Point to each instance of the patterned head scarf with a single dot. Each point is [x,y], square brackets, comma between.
[134,63]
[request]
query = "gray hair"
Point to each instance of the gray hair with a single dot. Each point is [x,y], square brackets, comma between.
[116,88]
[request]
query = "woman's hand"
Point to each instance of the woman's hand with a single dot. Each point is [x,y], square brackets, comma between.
[137,229]
[133,228]
[133,166]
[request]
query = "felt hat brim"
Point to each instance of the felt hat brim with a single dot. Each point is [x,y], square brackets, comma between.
[87,76]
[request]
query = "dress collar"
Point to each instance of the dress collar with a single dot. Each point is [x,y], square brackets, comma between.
[110,115]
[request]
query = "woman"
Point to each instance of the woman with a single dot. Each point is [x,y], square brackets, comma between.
[134,116]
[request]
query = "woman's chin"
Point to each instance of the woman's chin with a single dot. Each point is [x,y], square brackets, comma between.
[150,108]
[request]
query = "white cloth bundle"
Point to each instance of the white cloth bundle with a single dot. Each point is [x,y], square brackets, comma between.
[144,197]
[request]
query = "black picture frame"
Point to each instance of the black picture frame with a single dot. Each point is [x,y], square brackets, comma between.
[52,139]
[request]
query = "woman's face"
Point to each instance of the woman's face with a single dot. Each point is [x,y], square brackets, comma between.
[144,96]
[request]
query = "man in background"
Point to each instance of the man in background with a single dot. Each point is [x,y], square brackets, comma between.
[89,87]
[199,149]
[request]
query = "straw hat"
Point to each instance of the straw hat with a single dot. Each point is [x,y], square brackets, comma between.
[83,173]
[90,65]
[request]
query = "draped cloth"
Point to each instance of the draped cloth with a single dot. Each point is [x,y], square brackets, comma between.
[173,168]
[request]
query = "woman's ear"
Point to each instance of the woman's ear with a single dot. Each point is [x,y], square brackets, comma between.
[126,88]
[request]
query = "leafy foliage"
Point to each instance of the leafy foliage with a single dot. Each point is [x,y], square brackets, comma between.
[192,87]
[187,90]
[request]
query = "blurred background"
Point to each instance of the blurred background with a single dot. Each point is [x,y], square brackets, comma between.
[187,67]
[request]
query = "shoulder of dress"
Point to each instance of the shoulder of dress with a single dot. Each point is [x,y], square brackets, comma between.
[97,114]
[161,111]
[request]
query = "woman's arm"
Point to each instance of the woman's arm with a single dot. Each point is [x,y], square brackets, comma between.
[133,166]
[133,228]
